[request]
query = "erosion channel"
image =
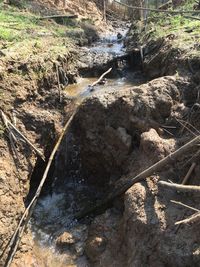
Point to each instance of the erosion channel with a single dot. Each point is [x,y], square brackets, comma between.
[143,111]
[60,239]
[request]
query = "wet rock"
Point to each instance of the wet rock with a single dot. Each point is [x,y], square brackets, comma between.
[79,248]
[119,36]
[65,240]
[95,247]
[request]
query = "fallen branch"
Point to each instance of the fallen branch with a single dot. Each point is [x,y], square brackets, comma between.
[16,237]
[189,173]
[60,16]
[59,86]
[123,185]
[180,187]
[158,10]
[9,124]
[191,17]
[184,205]
[102,76]
[192,219]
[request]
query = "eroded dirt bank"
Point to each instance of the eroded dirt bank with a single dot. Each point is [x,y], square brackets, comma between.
[120,134]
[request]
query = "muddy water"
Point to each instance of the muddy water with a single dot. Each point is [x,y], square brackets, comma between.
[81,89]
[53,214]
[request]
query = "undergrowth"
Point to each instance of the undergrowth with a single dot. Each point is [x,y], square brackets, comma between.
[18,24]
[186,30]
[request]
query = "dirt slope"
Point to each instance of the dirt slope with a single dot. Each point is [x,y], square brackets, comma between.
[122,133]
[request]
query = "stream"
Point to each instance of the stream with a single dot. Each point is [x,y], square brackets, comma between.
[53,214]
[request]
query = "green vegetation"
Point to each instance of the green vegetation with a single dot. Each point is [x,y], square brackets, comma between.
[17,25]
[186,31]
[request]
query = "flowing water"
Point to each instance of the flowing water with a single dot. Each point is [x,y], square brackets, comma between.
[53,214]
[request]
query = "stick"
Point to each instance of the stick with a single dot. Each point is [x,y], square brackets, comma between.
[185,127]
[158,10]
[189,173]
[15,240]
[192,219]
[123,185]
[180,187]
[191,17]
[184,205]
[58,79]
[8,123]
[12,254]
[102,76]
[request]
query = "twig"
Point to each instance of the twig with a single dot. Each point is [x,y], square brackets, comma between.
[8,124]
[184,205]
[192,219]
[191,17]
[168,127]
[185,127]
[123,185]
[102,76]
[58,79]
[194,128]
[181,188]
[165,130]
[189,173]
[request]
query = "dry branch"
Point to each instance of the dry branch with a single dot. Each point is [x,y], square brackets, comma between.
[180,187]
[124,184]
[189,173]
[158,10]
[184,205]
[59,86]
[9,125]
[192,219]
[191,17]
[102,76]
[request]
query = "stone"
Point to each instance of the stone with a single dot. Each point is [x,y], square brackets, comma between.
[65,240]
[125,137]
[95,247]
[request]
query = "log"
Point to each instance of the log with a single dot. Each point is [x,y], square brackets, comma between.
[124,184]
[180,187]
[71,16]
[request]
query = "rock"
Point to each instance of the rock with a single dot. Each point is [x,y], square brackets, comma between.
[65,240]
[152,144]
[95,247]
[125,138]
[119,36]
